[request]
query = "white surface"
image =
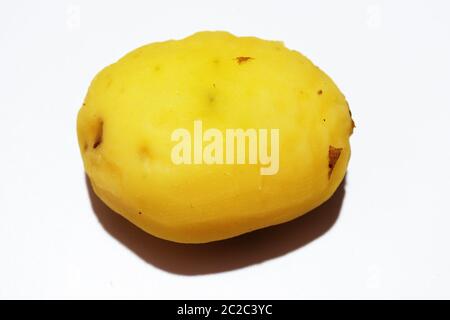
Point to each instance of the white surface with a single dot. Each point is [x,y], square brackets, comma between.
[391,238]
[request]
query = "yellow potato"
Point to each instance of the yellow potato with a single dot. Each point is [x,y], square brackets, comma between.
[141,112]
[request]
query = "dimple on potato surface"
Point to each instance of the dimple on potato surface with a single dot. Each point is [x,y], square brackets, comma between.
[133,106]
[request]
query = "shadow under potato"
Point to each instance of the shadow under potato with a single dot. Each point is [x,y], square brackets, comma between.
[224,255]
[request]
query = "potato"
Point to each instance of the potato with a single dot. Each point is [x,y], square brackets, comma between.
[212,136]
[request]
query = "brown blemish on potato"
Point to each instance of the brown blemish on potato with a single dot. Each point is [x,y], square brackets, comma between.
[98,135]
[144,152]
[139,212]
[136,55]
[243,59]
[320,92]
[108,82]
[333,156]
[350,113]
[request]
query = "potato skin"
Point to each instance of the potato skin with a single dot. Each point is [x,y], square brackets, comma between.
[133,106]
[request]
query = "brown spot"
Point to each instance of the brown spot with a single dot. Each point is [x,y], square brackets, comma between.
[136,55]
[320,92]
[144,152]
[139,212]
[333,156]
[350,113]
[243,59]
[324,120]
[99,135]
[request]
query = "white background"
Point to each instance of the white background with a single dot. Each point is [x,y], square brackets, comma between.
[386,236]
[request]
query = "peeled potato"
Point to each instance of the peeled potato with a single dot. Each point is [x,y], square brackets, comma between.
[126,132]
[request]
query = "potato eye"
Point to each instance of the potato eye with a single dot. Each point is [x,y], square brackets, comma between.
[98,135]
